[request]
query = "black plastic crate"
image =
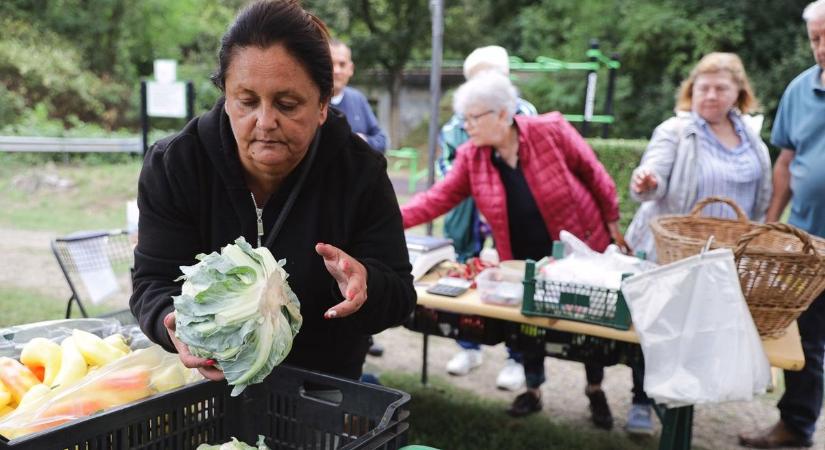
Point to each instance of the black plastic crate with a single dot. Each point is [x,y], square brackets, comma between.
[293,408]
[468,327]
[570,346]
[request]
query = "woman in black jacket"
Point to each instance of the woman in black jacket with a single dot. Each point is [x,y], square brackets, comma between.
[272,163]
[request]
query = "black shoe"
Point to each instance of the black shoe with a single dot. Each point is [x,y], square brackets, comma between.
[599,411]
[376,349]
[524,404]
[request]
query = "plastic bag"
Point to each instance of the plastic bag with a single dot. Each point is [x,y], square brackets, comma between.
[583,265]
[698,338]
[135,376]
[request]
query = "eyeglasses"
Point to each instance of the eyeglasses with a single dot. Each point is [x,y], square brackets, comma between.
[472,119]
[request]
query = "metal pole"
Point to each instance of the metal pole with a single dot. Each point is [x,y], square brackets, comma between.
[590,90]
[190,101]
[436,10]
[611,88]
[144,117]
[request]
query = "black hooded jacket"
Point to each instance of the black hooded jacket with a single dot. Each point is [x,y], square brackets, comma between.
[193,199]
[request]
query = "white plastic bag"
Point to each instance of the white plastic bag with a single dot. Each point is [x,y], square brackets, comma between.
[583,265]
[698,338]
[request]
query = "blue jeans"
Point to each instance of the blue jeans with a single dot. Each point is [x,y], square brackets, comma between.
[534,373]
[802,401]
[467,345]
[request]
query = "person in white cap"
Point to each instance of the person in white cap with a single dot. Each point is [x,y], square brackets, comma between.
[463,224]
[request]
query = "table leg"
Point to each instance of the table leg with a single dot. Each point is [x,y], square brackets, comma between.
[677,429]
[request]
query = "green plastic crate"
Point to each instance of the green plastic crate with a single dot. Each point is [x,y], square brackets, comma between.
[571,301]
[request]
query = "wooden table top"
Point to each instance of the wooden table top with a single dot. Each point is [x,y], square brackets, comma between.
[784,352]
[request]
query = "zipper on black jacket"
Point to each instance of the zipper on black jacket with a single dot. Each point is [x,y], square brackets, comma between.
[258,213]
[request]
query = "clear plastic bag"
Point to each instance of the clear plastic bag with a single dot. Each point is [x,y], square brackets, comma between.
[138,375]
[698,338]
[12,339]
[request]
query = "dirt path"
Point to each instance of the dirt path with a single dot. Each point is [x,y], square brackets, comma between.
[27,262]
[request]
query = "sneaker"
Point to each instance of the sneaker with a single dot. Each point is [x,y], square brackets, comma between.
[639,420]
[599,410]
[524,404]
[464,361]
[376,349]
[511,377]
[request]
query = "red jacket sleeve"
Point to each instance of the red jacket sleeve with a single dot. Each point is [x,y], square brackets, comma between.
[582,161]
[442,196]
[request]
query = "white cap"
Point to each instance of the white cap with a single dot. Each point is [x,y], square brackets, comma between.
[492,57]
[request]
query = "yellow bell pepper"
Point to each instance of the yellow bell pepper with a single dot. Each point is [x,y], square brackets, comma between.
[119,342]
[33,394]
[72,365]
[168,378]
[95,350]
[5,396]
[17,378]
[42,354]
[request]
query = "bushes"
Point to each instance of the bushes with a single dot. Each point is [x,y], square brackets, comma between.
[620,157]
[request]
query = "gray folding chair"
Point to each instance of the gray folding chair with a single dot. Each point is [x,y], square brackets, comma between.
[85,254]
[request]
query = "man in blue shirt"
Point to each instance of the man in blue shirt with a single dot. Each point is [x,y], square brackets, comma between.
[352,102]
[799,130]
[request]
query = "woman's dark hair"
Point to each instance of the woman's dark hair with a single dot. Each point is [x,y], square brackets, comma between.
[268,22]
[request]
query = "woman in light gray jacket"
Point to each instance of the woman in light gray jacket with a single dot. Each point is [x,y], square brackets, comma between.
[710,148]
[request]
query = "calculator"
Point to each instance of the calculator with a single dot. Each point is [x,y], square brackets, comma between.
[449,287]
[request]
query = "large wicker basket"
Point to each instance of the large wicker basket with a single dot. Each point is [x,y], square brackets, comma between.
[781,268]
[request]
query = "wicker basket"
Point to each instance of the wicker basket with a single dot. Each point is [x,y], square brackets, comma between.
[780,266]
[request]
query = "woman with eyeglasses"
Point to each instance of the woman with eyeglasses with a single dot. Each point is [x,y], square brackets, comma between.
[531,177]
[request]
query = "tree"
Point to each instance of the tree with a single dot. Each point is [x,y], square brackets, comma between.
[386,33]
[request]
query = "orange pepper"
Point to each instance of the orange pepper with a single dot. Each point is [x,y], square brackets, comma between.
[17,377]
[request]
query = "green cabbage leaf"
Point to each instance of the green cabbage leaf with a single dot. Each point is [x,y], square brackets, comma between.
[235,444]
[237,308]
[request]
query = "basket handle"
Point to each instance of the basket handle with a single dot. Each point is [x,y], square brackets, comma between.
[740,215]
[745,239]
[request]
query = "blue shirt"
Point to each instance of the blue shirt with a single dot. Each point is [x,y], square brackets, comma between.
[734,173]
[361,119]
[800,126]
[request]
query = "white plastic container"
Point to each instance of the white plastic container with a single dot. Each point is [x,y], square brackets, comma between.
[500,286]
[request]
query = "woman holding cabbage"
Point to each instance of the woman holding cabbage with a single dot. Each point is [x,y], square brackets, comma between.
[271,163]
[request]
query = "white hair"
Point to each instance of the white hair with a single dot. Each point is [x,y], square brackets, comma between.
[814,10]
[491,57]
[489,89]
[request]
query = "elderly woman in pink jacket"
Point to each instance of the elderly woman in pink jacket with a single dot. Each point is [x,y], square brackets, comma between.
[531,177]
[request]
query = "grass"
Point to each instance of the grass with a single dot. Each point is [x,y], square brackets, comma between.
[26,306]
[96,198]
[446,417]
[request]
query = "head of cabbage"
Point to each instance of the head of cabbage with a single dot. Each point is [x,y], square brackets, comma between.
[237,308]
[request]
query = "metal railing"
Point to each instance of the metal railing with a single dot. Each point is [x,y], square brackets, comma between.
[70,145]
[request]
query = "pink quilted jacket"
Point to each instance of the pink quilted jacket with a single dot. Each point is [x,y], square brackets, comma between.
[571,187]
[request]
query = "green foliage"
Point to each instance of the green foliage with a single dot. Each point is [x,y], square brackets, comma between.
[446,417]
[39,67]
[620,157]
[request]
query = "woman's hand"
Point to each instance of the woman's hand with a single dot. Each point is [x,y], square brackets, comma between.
[618,239]
[351,277]
[643,181]
[205,366]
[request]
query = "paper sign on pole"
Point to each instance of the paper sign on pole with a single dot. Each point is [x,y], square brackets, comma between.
[166,99]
